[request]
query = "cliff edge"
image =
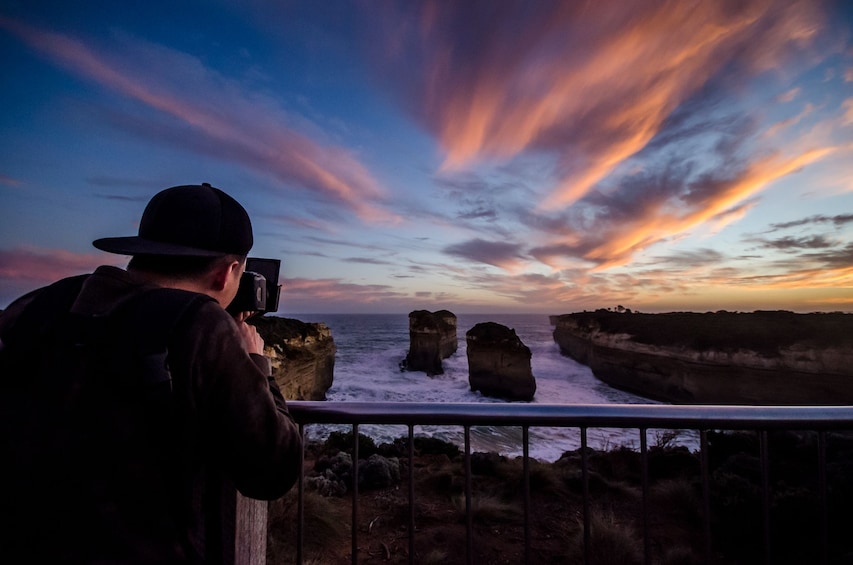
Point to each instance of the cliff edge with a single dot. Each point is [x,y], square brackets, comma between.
[762,358]
[302,356]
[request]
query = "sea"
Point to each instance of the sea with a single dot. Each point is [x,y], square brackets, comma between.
[367,369]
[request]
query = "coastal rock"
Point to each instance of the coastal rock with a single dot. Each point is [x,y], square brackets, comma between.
[760,358]
[302,356]
[499,363]
[432,337]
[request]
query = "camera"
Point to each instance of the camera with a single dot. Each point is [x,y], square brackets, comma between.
[259,290]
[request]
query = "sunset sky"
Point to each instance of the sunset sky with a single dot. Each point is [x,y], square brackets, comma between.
[478,156]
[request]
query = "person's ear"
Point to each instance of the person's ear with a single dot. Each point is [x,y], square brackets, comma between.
[222,273]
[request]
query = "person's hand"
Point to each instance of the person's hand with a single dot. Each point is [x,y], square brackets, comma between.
[252,340]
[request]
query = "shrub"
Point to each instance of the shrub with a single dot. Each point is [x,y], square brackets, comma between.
[378,472]
[340,441]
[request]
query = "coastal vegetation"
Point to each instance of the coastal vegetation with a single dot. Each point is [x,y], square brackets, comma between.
[763,331]
[614,480]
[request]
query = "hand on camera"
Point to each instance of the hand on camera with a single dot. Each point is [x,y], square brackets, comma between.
[252,340]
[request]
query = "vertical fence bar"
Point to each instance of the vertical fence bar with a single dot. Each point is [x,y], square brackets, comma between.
[411,493]
[705,469]
[525,439]
[300,504]
[585,480]
[824,506]
[765,492]
[469,518]
[355,494]
[644,469]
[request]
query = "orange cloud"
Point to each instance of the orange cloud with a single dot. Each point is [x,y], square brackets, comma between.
[837,278]
[658,223]
[243,127]
[591,83]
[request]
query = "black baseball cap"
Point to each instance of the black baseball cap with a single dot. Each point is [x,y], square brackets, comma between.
[187,221]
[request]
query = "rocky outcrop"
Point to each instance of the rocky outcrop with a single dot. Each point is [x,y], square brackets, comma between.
[432,337]
[302,356]
[760,358]
[499,363]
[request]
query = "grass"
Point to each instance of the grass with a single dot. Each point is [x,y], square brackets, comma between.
[488,508]
[612,541]
[326,524]
[762,331]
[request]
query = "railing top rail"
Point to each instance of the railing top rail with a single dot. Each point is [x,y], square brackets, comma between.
[576,415]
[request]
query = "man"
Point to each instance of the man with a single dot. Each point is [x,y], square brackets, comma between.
[127,447]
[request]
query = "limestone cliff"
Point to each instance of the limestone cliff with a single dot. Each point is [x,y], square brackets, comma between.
[716,358]
[499,363]
[432,337]
[302,355]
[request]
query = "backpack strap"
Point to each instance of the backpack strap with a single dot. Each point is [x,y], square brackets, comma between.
[152,322]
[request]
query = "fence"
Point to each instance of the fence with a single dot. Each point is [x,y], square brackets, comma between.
[704,419]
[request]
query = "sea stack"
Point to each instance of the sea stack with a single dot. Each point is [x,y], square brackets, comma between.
[499,363]
[432,337]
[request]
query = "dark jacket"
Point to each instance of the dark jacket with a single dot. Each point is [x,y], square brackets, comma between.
[156,482]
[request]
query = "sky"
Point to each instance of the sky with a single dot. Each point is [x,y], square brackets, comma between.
[476,156]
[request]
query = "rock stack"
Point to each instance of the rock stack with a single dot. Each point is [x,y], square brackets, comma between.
[432,337]
[499,363]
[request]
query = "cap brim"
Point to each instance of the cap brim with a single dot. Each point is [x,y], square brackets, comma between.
[135,245]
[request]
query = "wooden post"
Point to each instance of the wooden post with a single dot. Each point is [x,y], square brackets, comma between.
[250,536]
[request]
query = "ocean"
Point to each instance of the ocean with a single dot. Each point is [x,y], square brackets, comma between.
[367,368]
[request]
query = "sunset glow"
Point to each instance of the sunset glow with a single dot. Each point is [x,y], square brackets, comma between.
[476,156]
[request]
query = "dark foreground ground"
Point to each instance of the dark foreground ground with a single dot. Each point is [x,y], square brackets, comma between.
[675,516]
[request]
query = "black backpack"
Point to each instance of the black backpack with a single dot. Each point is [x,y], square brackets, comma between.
[85,402]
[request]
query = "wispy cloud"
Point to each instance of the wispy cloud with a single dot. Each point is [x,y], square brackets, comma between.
[234,123]
[591,84]
[9,181]
[838,220]
[788,96]
[848,111]
[26,268]
[658,205]
[797,243]
[337,295]
[368,261]
[505,255]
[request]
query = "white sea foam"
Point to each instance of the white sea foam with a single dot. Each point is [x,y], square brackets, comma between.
[369,351]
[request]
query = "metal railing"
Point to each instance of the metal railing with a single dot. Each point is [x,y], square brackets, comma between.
[702,419]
